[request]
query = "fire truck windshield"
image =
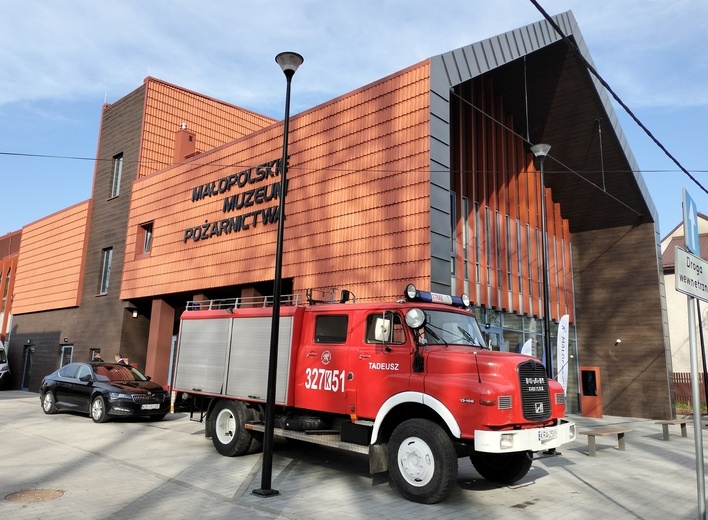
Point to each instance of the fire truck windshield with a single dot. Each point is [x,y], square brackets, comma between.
[451,328]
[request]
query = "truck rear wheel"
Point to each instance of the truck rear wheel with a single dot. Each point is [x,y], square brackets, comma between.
[422,462]
[503,468]
[229,437]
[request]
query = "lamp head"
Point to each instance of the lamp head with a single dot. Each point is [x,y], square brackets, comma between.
[540,150]
[289,62]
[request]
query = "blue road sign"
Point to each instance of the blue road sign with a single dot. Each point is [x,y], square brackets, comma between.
[690,224]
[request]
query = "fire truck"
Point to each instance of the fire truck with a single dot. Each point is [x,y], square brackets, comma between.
[409,383]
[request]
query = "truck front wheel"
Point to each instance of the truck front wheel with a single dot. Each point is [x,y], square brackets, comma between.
[422,461]
[229,436]
[503,468]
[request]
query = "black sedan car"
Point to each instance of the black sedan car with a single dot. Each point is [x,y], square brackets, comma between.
[103,391]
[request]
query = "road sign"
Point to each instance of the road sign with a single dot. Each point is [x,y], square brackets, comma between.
[690,224]
[691,275]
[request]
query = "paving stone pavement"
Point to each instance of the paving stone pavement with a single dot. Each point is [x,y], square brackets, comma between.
[169,470]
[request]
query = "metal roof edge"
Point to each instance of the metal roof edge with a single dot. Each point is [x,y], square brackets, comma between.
[456,66]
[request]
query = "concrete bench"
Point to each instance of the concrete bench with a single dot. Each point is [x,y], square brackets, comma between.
[665,427]
[604,431]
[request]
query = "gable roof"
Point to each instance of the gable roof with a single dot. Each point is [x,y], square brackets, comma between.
[553,99]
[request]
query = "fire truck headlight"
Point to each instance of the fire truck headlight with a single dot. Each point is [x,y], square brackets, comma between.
[506,442]
[410,291]
[415,318]
[465,300]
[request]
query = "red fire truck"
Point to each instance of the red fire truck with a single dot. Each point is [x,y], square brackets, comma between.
[409,383]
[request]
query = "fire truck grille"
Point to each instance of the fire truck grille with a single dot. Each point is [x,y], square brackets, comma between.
[535,397]
[504,402]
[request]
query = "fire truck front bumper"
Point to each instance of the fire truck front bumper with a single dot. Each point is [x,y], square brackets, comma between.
[532,439]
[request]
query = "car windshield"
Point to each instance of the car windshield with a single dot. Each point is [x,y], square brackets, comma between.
[119,373]
[451,328]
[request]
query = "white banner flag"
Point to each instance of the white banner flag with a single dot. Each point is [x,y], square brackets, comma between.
[527,348]
[562,363]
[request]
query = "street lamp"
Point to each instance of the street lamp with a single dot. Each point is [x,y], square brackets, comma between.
[541,151]
[289,62]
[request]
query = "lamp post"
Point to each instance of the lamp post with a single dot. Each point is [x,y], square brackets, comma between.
[289,62]
[540,151]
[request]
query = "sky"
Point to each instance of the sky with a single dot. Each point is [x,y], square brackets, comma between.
[60,61]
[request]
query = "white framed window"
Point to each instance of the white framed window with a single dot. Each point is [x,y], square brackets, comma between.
[105,270]
[117,172]
[146,232]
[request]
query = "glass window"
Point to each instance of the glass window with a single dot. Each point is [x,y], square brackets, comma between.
[146,232]
[512,321]
[331,329]
[69,370]
[84,371]
[106,270]
[117,172]
[5,289]
[388,326]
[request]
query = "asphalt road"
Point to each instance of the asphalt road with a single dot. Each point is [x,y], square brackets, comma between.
[65,466]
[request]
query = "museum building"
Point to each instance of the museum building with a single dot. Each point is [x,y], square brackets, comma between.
[424,176]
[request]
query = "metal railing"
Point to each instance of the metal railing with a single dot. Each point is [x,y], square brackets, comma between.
[243,302]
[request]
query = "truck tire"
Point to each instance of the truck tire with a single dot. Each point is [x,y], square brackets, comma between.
[229,436]
[422,461]
[503,468]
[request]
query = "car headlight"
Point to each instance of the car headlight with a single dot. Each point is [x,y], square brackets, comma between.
[114,396]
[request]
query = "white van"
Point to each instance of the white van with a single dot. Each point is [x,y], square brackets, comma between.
[4,369]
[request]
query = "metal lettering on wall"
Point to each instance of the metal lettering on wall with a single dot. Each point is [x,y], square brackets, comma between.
[247,198]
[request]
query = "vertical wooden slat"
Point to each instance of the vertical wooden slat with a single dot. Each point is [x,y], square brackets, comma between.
[503,206]
[534,221]
[481,144]
[568,270]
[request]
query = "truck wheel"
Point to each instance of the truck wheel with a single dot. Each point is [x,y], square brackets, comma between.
[48,404]
[422,462]
[229,436]
[503,468]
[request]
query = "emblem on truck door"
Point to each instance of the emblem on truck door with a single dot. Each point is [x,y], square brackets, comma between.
[326,357]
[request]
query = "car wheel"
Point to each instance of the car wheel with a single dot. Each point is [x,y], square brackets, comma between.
[98,410]
[422,461]
[48,404]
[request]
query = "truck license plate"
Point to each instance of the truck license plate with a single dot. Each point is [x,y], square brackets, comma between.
[547,435]
[150,407]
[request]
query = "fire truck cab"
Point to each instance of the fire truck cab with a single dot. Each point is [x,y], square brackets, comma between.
[410,383]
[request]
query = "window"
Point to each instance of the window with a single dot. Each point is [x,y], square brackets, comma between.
[144,239]
[105,270]
[67,353]
[331,329]
[69,370]
[4,291]
[388,326]
[117,171]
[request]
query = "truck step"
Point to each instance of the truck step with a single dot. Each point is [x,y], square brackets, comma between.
[330,438]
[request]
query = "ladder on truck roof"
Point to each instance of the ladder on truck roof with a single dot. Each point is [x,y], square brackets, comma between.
[236,303]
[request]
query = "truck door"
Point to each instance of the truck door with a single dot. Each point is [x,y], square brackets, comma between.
[322,363]
[384,362]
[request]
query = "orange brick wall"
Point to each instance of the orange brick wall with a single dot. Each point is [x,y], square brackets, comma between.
[50,264]
[357,205]
[214,123]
